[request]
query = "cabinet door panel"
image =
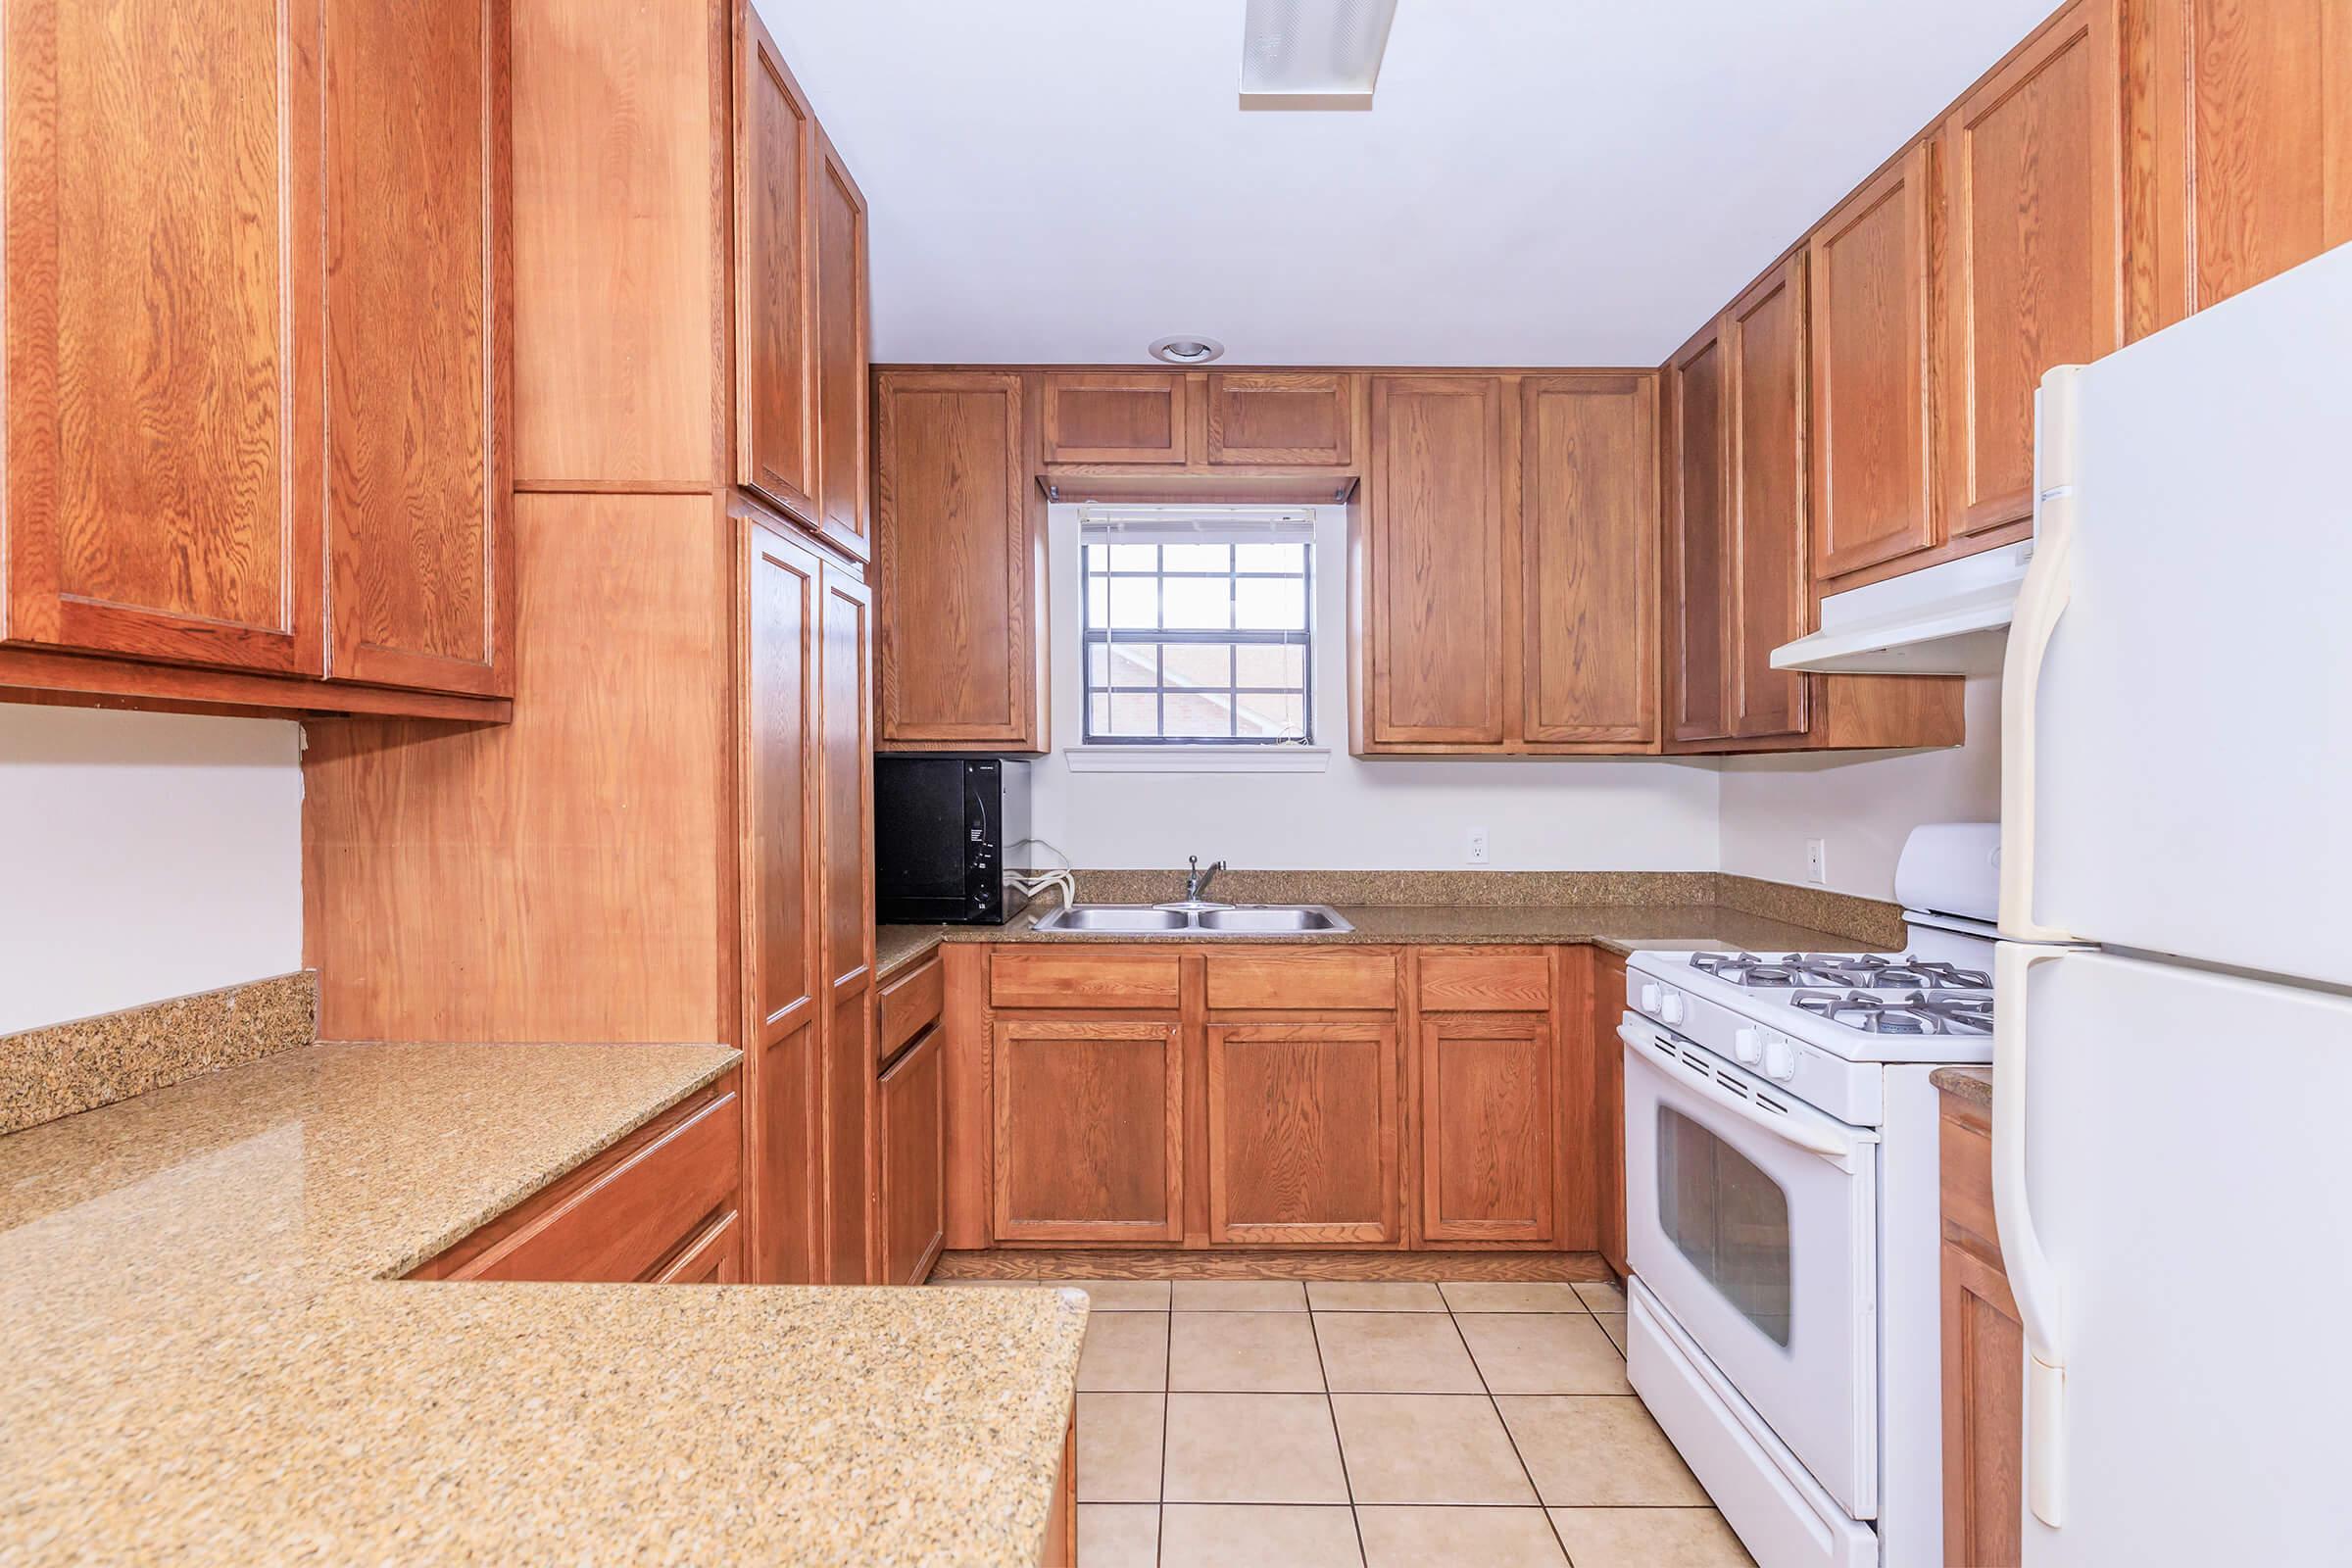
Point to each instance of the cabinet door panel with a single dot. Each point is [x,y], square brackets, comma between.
[1868,271]
[1588,529]
[1608,1063]
[1437,672]
[838,222]
[1089,1130]
[1115,417]
[1700,540]
[775,414]
[1303,1133]
[1765,345]
[1295,419]
[420,536]
[163,300]
[1486,1165]
[2033,178]
[850,1094]
[911,1152]
[846,906]
[1984,1413]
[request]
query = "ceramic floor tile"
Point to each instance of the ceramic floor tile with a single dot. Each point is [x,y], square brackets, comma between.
[1598,1453]
[1649,1538]
[1548,1352]
[1252,1448]
[1395,1352]
[1119,1535]
[1124,1351]
[1123,1295]
[1613,1324]
[1603,1296]
[1243,1352]
[1213,1536]
[1239,1296]
[1118,1446]
[1418,1448]
[1511,1295]
[1373,1295]
[1491,1537]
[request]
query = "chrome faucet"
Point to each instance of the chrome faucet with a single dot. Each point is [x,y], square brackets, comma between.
[1197,883]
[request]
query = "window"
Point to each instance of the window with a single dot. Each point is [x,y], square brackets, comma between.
[1198,626]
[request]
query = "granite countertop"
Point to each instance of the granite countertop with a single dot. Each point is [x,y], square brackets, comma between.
[1971,1083]
[212,1356]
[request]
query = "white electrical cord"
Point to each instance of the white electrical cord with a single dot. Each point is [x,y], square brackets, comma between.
[1038,881]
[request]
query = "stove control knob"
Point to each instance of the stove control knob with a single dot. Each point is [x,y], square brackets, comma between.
[1780,1059]
[1748,1046]
[1649,995]
[1670,1008]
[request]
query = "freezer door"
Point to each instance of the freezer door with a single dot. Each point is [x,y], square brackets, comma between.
[2184,1166]
[2178,751]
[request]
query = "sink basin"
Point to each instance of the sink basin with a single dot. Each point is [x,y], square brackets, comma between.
[1238,920]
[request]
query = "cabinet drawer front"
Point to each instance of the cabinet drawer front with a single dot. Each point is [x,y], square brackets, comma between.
[1116,417]
[1502,981]
[1080,979]
[910,1003]
[624,1214]
[1338,977]
[1290,419]
[714,1257]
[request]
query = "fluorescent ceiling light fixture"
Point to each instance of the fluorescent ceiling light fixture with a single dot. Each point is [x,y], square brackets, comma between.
[1313,54]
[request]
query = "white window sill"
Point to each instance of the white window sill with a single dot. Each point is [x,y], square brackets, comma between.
[1198,759]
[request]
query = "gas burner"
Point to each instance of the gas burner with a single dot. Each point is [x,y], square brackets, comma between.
[1916,974]
[1913,1013]
[1795,970]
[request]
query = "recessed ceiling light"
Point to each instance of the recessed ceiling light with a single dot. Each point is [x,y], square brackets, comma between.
[1187,350]
[1313,54]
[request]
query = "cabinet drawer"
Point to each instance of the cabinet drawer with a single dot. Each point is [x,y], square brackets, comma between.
[1074,978]
[1498,980]
[625,1214]
[910,1003]
[1332,977]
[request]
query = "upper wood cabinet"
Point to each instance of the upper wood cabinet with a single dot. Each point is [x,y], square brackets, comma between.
[2034,254]
[1116,417]
[1433,590]
[842,437]
[1698,539]
[1588,558]
[1304,1131]
[775,354]
[1089,1116]
[1768,571]
[959,532]
[255,370]
[1868,267]
[1279,418]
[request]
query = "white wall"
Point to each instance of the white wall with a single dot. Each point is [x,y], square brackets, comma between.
[1597,815]
[143,855]
[1861,803]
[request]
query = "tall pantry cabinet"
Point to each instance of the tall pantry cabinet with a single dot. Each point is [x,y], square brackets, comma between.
[672,840]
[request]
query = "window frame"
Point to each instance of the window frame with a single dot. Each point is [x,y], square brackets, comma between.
[1091,636]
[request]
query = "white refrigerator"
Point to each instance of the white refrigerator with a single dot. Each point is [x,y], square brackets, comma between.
[2173,1056]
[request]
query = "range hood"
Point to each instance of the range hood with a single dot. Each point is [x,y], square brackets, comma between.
[1947,619]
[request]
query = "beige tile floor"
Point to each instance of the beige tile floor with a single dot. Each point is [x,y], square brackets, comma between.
[1281,1424]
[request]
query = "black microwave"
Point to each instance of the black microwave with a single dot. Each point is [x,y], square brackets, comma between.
[950,833]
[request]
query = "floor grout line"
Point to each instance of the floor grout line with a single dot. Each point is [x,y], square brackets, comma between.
[1510,1437]
[1338,1443]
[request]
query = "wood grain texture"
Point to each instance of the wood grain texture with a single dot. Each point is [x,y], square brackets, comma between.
[1281,419]
[843,439]
[959,555]
[1435,549]
[909,1004]
[845,915]
[1867,265]
[969,1036]
[910,1196]
[1771,570]
[1577,1049]
[164,302]
[1303,1133]
[1484,979]
[1332,978]
[623,1215]
[1589,559]
[1608,1057]
[1699,540]
[1042,1262]
[775,352]
[1488,1166]
[1116,417]
[1084,978]
[1984,1357]
[79,680]
[714,1257]
[1090,1120]
[2034,261]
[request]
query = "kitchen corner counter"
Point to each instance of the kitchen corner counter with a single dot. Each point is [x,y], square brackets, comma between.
[213,1357]
[1971,1084]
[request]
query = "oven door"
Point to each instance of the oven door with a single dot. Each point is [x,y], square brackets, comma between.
[1754,1218]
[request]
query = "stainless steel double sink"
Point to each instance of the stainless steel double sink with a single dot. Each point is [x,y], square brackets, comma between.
[1228,921]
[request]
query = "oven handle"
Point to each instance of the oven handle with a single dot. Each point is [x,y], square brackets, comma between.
[1836,1148]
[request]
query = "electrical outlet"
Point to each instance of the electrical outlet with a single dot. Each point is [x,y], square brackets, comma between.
[1474,852]
[1817,860]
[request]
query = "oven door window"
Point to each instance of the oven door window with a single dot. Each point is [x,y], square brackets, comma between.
[1729,1218]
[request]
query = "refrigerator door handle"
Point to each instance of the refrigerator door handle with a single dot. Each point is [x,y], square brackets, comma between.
[2031,1282]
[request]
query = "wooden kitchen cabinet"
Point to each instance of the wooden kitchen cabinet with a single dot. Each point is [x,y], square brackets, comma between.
[845,777]
[1281,419]
[1984,1355]
[1089,1116]
[840,336]
[1489,1110]
[1698,535]
[910,1196]
[775,354]
[1867,266]
[257,370]
[1115,417]
[1608,1143]
[1767,569]
[1303,1131]
[960,536]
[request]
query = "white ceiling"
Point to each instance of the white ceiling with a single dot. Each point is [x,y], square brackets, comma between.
[1539,181]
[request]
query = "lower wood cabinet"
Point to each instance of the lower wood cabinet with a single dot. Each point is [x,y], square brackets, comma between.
[1089,1117]
[658,1205]
[1608,1143]
[1984,1358]
[1488,1110]
[911,1194]
[1302,1132]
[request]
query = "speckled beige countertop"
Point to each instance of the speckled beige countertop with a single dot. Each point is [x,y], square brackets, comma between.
[1971,1083]
[211,1357]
